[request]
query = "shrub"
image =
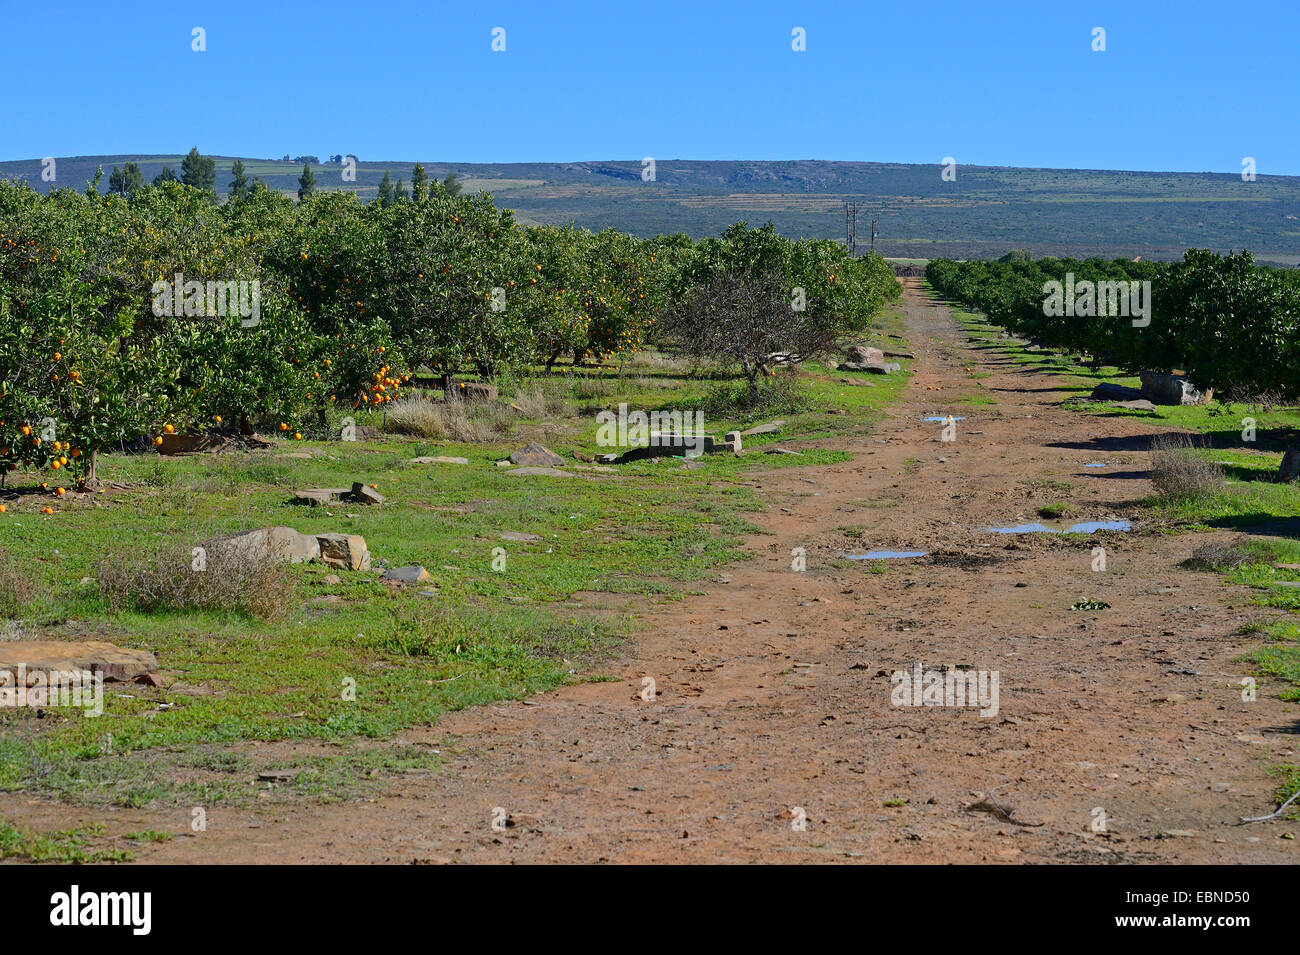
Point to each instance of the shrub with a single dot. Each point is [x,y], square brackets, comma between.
[1215,555]
[1179,473]
[470,422]
[165,580]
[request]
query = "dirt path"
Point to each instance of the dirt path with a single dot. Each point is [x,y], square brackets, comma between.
[775,686]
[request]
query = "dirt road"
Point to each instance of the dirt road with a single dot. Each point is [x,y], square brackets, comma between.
[775,687]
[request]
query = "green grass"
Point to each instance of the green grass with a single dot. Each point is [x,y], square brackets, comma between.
[646,530]
[70,845]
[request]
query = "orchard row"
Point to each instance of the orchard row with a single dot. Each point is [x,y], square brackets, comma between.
[351,300]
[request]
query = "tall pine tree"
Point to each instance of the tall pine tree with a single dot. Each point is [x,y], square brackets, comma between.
[419,183]
[199,171]
[385,197]
[239,184]
[306,183]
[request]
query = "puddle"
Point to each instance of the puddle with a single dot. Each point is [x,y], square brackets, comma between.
[1095,464]
[935,417]
[1084,527]
[885,555]
[1089,527]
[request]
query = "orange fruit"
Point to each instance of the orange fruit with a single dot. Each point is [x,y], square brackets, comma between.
[3,508]
[60,491]
[47,510]
[158,440]
[169,429]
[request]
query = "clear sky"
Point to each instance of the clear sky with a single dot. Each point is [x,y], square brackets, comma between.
[1186,85]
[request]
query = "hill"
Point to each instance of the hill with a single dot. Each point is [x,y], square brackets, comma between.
[985,212]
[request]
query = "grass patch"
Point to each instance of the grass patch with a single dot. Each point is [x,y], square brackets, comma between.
[332,670]
[69,845]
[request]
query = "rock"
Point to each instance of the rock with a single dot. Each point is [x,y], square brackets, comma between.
[411,574]
[297,455]
[476,391]
[189,443]
[438,459]
[864,354]
[858,382]
[733,439]
[534,455]
[428,592]
[545,472]
[97,656]
[1140,404]
[713,446]
[1172,390]
[1289,470]
[781,451]
[772,427]
[874,367]
[519,537]
[277,775]
[278,543]
[365,494]
[150,679]
[1109,391]
[319,496]
[345,551]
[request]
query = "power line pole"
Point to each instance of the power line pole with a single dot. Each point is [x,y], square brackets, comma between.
[873,235]
[851,227]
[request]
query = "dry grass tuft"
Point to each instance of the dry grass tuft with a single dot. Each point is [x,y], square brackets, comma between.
[1179,473]
[255,585]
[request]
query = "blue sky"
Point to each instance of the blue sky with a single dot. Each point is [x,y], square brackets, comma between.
[1188,86]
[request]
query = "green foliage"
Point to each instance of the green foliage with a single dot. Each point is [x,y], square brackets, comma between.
[1226,323]
[306,182]
[199,172]
[239,182]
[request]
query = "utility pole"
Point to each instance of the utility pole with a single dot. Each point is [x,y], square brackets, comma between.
[851,226]
[873,235]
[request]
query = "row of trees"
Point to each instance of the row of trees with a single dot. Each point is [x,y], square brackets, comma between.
[200,172]
[1225,322]
[125,315]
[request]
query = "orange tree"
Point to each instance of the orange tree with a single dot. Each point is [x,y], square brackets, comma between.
[226,368]
[77,372]
[322,261]
[548,295]
[434,279]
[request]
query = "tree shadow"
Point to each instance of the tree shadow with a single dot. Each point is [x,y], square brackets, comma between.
[1257,522]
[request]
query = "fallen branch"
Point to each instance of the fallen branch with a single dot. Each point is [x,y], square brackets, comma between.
[1273,815]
